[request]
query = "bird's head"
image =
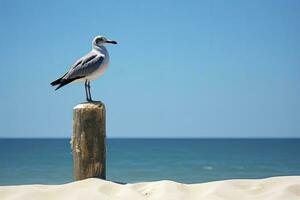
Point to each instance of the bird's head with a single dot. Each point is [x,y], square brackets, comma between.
[101,41]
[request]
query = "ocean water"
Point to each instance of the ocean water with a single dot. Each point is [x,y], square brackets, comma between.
[49,161]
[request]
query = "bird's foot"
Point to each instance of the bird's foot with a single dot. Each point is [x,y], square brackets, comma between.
[89,100]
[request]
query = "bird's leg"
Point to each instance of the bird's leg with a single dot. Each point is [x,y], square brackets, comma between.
[89,90]
[86,90]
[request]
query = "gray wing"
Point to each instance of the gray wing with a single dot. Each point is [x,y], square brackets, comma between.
[85,66]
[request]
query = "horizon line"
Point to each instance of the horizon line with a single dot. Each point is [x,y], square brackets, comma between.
[157,138]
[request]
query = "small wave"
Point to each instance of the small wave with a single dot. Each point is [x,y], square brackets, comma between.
[239,167]
[207,168]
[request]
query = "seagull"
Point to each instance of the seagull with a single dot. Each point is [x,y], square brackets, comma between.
[89,67]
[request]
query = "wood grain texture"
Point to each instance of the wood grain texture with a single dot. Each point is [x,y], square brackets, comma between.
[89,141]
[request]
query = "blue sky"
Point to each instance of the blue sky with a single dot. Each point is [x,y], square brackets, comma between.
[181,68]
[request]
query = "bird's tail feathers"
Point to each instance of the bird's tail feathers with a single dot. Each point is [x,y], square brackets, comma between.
[56,82]
[62,82]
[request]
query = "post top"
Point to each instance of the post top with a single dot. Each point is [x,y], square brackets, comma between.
[89,105]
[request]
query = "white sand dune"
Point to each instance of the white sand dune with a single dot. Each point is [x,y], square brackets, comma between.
[283,188]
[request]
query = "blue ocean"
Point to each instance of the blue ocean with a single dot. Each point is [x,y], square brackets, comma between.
[49,161]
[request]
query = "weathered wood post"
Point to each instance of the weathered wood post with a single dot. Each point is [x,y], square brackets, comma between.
[88,141]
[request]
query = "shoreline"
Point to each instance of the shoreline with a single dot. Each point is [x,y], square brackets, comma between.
[275,188]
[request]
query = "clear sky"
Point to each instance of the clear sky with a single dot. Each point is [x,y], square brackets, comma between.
[181,68]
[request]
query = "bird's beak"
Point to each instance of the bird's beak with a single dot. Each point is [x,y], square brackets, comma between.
[111,42]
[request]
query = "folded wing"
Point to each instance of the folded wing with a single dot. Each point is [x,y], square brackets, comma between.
[82,68]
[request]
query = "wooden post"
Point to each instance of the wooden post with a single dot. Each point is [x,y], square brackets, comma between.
[88,141]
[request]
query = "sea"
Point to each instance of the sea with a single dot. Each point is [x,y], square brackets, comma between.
[49,161]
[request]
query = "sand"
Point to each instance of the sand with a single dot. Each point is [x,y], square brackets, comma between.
[283,188]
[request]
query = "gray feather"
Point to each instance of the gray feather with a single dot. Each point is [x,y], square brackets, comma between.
[85,66]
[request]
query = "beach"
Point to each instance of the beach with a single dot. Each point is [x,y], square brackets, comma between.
[276,188]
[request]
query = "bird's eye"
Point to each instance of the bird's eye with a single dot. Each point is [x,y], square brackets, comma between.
[98,40]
